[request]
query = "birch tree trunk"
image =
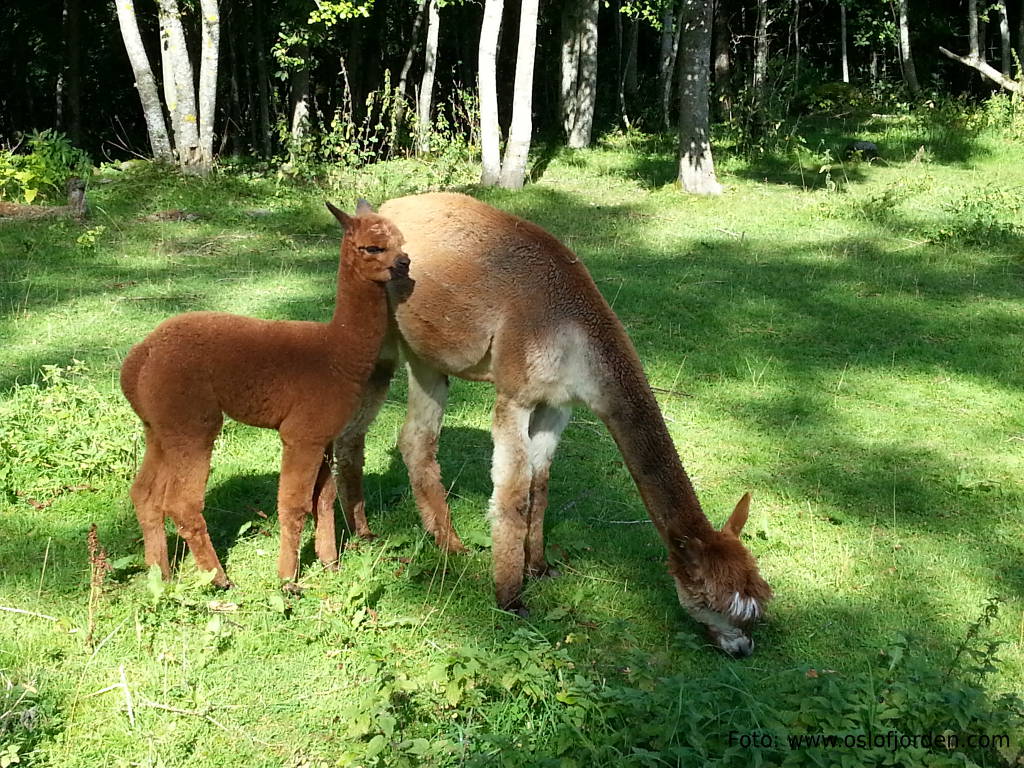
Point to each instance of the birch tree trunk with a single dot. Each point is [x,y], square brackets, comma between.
[906,57]
[760,54]
[696,167]
[972,29]
[842,43]
[209,64]
[517,149]
[1004,38]
[299,82]
[579,70]
[167,76]
[666,55]
[490,131]
[186,123]
[424,125]
[403,77]
[145,83]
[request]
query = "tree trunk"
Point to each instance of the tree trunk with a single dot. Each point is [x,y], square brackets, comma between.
[760,55]
[906,58]
[210,25]
[696,167]
[490,131]
[1004,38]
[424,125]
[262,80]
[796,39]
[144,81]
[842,43]
[972,30]
[167,76]
[517,149]
[237,145]
[722,61]
[579,70]
[73,36]
[186,124]
[666,55]
[985,69]
[1020,40]
[410,54]
[299,82]
[629,78]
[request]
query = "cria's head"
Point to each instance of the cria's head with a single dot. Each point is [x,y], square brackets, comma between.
[719,585]
[373,244]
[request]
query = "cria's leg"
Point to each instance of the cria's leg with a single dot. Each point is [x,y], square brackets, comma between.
[428,393]
[510,473]
[324,494]
[185,468]
[546,425]
[350,445]
[301,462]
[147,496]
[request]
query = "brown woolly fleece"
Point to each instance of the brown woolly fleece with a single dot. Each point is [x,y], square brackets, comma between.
[303,379]
[496,298]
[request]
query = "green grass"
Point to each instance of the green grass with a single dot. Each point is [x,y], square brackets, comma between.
[845,343]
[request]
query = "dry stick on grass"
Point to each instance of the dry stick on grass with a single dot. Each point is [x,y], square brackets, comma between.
[99,568]
[23,612]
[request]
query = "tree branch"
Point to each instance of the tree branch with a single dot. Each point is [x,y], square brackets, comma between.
[985,69]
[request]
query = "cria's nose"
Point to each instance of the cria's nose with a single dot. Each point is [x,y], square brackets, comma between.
[402,261]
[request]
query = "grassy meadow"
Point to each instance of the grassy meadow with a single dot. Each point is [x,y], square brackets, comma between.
[843,339]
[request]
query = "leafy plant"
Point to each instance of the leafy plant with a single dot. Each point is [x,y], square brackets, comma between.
[44,169]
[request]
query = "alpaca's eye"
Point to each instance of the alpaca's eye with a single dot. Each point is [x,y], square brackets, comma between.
[372,249]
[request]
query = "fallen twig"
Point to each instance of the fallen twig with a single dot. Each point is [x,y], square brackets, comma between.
[28,613]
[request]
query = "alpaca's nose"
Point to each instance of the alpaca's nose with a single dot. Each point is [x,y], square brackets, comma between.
[402,261]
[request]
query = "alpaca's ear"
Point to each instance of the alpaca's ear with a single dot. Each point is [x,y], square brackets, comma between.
[363,207]
[739,516]
[344,218]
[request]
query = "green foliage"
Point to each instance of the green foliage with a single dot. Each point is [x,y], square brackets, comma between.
[25,719]
[62,432]
[42,171]
[986,217]
[1004,112]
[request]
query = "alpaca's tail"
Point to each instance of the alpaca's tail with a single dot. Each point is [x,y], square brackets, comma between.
[130,370]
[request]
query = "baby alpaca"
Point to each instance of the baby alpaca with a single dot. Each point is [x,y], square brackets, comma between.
[304,379]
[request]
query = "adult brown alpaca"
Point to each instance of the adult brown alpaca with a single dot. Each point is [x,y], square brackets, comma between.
[303,379]
[498,299]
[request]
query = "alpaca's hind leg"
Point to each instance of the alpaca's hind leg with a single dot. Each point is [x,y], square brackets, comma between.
[546,425]
[428,393]
[185,469]
[324,494]
[350,445]
[301,462]
[510,473]
[147,496]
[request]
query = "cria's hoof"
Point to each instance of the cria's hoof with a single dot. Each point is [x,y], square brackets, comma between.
[291,588]
[518,609]
[547,572]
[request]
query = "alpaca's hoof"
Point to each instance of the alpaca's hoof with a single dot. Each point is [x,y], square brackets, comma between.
[224,583]
[291,588]
[517,607]
[544,572]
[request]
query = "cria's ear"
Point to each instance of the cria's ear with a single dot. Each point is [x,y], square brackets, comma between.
[739,516]
[346,220]
[363,207]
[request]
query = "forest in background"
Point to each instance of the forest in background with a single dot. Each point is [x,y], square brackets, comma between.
[306,83]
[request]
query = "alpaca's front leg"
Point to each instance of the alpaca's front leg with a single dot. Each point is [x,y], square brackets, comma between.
[510,473]
[300,465]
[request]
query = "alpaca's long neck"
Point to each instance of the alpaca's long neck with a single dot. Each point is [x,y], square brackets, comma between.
[360,304]
[634,419]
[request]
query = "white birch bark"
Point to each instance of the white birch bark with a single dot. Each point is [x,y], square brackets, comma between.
[186,125]
[760,54]
[490,131]
[145,83]
[424,124]
[696,167]
[170,91]
[842,43]
[1004,38]
[579,71]
[906,57]
[666,54]
[209,64]
[517,149]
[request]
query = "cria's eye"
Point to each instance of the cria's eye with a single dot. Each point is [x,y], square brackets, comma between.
[372,249]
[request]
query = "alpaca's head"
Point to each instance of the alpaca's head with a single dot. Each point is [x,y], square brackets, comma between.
[372,244]
[719,585]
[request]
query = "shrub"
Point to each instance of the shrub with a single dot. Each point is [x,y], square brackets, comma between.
[44,170]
